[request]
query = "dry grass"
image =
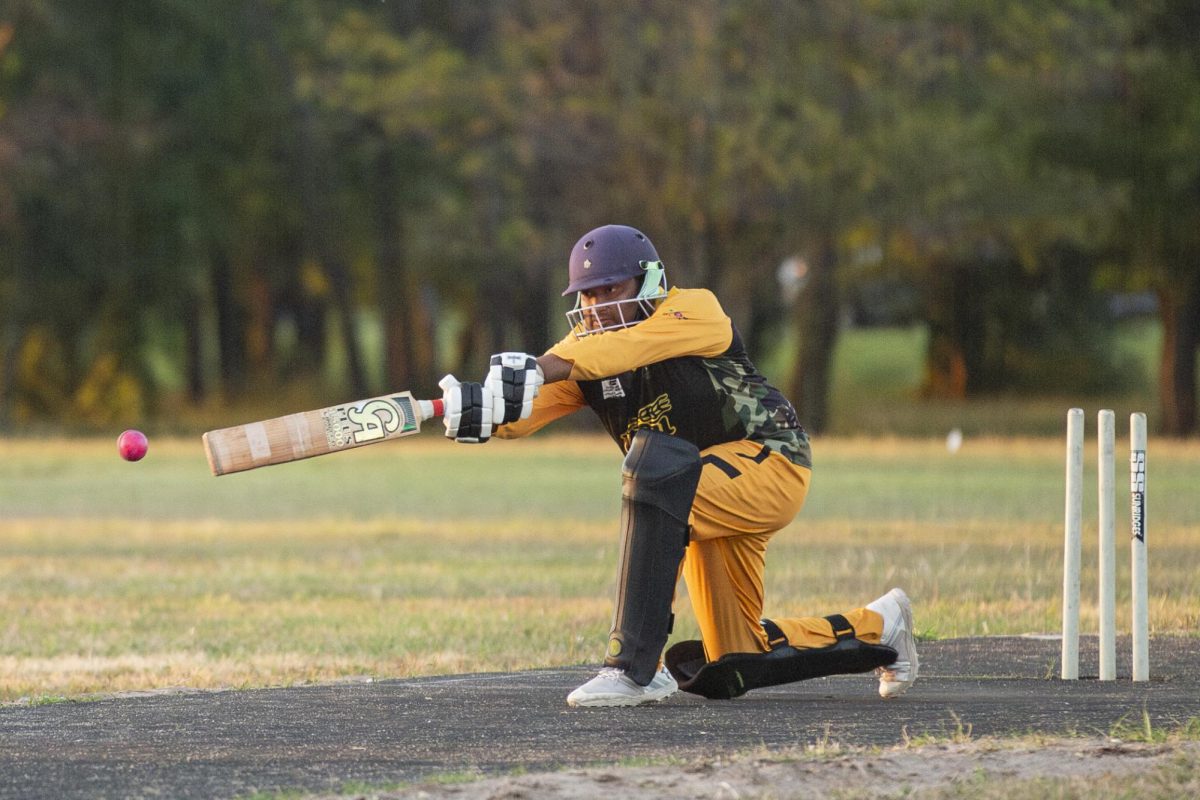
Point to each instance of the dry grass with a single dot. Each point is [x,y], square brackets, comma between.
[423,558]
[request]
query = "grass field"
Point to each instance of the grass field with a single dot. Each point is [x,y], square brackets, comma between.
[422,557]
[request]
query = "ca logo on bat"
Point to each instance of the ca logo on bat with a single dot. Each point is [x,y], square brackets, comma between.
[375,420]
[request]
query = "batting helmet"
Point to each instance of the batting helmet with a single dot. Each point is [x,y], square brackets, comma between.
[609,254]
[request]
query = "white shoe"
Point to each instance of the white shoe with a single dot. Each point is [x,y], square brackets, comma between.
[612,687]
[896,610]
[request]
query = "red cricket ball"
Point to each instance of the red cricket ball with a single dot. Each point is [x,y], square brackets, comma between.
[132,445]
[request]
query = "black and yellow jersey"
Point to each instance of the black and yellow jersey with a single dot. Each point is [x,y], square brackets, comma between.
[683,370]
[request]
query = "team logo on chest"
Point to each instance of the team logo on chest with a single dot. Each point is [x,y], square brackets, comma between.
[611,387]
[653,415]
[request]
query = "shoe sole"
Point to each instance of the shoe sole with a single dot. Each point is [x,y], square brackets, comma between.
[613,701]
[618,700]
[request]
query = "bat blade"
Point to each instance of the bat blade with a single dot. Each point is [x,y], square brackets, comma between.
[315,433]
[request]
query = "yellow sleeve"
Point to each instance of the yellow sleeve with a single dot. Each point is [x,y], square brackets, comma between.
[555,400]
[687,322]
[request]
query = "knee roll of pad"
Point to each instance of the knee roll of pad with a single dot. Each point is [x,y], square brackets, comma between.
[659,479]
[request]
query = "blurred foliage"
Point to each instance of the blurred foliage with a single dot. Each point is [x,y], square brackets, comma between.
[214,204]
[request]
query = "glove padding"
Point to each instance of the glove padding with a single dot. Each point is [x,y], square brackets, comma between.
[468,418]
[512,382]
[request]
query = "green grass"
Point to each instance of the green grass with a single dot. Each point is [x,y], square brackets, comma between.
[877,374]
[423,557]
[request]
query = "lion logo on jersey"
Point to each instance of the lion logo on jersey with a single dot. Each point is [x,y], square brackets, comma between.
[653,415]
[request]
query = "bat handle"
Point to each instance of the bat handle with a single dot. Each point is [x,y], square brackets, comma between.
[431,408]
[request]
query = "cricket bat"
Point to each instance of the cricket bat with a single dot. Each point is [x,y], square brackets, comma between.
[315,433]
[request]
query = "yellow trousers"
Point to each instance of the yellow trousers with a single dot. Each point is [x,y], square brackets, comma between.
[746,494]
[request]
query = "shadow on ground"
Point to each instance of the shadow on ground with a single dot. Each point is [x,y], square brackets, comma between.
[319,738]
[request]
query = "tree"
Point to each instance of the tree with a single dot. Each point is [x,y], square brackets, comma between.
[398,103]
[967,210]
[1158,116]
[1134,130]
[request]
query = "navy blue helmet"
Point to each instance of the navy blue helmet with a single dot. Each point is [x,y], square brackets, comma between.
[609,254]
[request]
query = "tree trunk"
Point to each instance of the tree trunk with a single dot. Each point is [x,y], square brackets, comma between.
[311,171]
[496,311]
[315,188]
[193,351]
[309,307]
[763,318]
[394,289]
[230,326]
[816,323]
[10,340]
[1179,312]
[260,326]
[534,310]
[467,344]
[956,353]
[12,330]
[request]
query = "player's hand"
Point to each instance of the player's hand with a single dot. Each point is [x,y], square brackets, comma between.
[467,417]
[512,382]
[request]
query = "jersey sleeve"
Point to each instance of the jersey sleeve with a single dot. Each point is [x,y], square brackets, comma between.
[555,400]
[687,322]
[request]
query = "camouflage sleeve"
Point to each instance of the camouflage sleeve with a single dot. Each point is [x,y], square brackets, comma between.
[554,401]
[688,322]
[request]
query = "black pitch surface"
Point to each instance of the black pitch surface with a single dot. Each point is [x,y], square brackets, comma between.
[319,738]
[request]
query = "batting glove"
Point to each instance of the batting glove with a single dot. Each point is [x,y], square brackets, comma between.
[467,417]
[512,382]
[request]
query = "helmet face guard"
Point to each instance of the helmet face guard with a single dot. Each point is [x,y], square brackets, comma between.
[586,321]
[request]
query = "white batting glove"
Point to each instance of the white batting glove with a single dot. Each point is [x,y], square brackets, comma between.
[513,381]
[467,417]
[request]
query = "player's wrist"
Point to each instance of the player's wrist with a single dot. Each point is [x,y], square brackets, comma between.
[554,368]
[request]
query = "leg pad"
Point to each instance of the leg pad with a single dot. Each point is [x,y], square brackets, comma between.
[734,674]
[659,479]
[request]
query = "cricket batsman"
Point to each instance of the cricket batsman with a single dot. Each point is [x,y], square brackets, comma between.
[715,463]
